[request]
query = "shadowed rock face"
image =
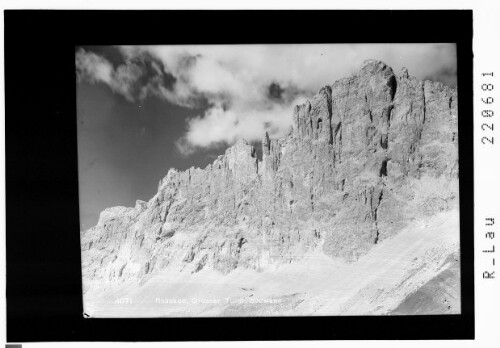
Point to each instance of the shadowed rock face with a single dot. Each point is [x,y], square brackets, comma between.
[440,295]
[364,157]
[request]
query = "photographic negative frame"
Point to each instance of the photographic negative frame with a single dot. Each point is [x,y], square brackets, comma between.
[44,283]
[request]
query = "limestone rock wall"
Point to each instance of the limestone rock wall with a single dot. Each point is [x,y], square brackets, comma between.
[363,157]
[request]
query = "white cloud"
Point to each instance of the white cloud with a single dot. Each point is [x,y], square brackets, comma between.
[95,68]
[218,125]
[235,80]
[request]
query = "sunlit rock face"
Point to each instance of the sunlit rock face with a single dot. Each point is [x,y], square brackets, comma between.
[364,158]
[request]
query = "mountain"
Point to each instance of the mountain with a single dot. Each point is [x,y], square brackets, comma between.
[363,189]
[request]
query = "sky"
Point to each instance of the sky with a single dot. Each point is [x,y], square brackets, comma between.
[144,109]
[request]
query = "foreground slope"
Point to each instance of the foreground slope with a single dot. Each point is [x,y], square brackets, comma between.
[367,158]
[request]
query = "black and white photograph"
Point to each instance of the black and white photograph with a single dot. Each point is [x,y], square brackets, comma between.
[276,175]
[268,180]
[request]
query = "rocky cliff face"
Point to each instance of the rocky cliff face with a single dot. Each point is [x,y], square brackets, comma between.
[364,157]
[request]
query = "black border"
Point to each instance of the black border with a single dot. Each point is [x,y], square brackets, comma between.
[43,246]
